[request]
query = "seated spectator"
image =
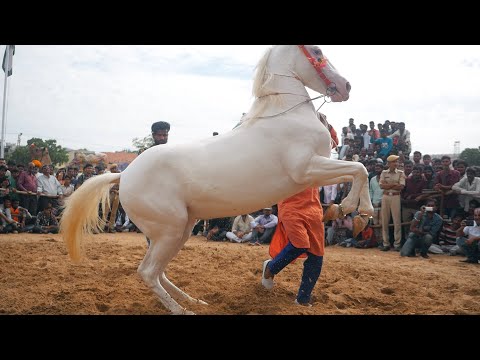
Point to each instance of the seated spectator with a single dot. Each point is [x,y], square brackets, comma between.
[241,229]
[448,236]
[46,221]
[471,245]
[7,223]
[368,238]
[25,221]
[263,227]
[218,228]
[341,229]
[123,223]
[424,229]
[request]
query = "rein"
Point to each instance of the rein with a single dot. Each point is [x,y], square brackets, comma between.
[297,105]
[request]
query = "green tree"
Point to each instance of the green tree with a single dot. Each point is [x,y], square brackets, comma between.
[143,143]
[20,155]
[471,156]
[58,154]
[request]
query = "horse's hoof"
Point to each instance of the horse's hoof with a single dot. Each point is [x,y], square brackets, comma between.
[183,311]
[359,223]
[201,302]
[331,213]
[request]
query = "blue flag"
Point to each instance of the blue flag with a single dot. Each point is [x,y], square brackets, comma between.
[9,51]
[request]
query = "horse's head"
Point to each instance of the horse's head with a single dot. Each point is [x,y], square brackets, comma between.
[318,73]
[311,67]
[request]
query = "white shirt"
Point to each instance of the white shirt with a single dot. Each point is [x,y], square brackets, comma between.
[376,192]
[472,231]
[49,185]
[329,193]
[240,225]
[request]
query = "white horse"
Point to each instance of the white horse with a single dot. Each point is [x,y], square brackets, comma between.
[282,145]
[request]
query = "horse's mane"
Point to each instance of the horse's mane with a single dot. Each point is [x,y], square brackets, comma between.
[260,81]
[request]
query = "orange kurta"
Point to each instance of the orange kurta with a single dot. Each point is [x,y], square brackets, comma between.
[300,220]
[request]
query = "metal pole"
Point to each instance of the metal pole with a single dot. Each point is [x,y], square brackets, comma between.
[4,112]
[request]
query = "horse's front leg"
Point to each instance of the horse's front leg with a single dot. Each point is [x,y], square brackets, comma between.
[322,171]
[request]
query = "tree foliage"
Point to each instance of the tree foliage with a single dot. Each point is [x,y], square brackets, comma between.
[471,156]
[143,143]
[58,154]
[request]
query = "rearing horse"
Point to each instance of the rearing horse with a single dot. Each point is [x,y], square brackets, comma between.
[282,144]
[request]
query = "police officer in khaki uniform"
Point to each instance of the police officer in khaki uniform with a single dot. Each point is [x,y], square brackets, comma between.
[392,181]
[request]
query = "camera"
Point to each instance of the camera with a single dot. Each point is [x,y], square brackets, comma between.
[428,208]
[469,222]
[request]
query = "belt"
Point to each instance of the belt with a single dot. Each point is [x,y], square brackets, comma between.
[391,193]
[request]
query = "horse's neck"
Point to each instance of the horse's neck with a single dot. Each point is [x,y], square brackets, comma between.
[286,84]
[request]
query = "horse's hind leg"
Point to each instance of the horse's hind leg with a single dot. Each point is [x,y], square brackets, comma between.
[168,285]
[171,288]
[164,246]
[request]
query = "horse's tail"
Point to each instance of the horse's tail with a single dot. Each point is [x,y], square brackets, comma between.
[80,216]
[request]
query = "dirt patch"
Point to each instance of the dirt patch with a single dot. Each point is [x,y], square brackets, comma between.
[37,277]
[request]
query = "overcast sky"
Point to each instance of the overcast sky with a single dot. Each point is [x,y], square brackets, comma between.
[101,97]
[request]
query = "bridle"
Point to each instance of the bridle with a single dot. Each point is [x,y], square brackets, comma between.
[318,65]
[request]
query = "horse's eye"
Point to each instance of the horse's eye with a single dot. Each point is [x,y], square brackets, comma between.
[318,52]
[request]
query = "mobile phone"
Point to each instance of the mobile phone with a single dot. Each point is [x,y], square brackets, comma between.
[469,222]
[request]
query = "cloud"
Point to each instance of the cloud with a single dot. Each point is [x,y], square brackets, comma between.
[101,97]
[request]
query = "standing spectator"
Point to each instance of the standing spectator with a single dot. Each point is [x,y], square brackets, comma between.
[461,167]
[417,156]
[48,185]
[376,193]
[392,181]
[27,182]
[72,172]
[412,195]
[445,179]
[160,130]
[427,160]
[385,144]
[329,193]
[403,143]
[468,188]
[331,130]
[374,133]
[345,135]
[87,174]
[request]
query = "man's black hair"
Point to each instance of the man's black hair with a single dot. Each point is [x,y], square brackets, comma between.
[160,125]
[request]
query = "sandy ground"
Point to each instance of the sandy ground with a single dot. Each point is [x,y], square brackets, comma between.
[37,277]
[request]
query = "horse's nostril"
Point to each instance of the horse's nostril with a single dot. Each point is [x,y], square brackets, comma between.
[349,87]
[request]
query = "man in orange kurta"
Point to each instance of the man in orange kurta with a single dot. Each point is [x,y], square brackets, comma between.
[300,232]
